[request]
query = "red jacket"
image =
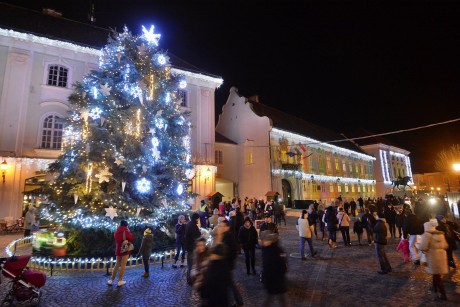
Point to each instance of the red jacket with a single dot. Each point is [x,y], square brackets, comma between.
[118,235]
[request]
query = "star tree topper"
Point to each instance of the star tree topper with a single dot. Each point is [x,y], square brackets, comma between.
[150,36]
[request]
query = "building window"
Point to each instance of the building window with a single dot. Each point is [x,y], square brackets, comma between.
[346,187]
[219,159]
[337,168]
[344,167]
[52,132]
[57,75]
[352,188]
[183,101]
[339,187]
[331,187]
[249,157]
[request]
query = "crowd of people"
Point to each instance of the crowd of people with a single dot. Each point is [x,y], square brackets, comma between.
[422,240]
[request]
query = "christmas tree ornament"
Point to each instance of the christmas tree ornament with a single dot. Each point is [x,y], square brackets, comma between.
[75,198]
[143,185]
[138,210]
[111,212]
[104,175]
[105,89]
[123,185]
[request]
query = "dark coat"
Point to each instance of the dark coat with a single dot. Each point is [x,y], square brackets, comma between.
[118,235]
[180,233]
[268,226]
[380,232]
[368,221]
[331,220]
[236,222]
[390,215]
[412,225]
[247,237]
[146,246]
[399,220]
[274,269]
[217,279]
[447,229]
[230,242]
[192,232]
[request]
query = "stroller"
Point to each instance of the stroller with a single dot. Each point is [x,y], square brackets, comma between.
[25,283]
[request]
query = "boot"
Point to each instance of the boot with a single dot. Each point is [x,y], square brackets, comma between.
[335,245]
[146,274]
[182,263]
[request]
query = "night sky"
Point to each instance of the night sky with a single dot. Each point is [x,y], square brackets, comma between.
[348,66]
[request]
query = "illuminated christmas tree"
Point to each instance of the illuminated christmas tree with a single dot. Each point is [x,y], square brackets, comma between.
[126,147]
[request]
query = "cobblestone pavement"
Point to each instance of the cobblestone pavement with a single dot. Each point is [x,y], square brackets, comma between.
[336,277]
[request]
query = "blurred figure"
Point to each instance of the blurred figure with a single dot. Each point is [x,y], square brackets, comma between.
[434,245]
[358,228]
[312,218]
[399,221]
[331,222]
[247,237]
[180,241]
[411,228]
[29,221]
[217,278]
[236,221]
[192,232]
[448,228]
[203,214]
[146,250]
[213,218]
[322,225]
[390,216]
[274,269]
[199,268]
[368,221]
[403,247]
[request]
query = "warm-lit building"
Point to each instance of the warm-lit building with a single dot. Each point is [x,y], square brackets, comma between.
[41,56]
[391,162]
[278,152]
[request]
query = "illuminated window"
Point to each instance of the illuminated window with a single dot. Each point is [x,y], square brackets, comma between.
[248,152]
[359,188]
[344,167]
[52,132]
[339,187]
[352,188]
[331,187]
[337,168]
[346,187]
[219,158]
[57,75]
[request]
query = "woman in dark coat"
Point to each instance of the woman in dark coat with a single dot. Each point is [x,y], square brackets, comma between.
[274,268]
[247,236]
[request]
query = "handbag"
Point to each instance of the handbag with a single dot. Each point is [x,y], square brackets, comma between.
[126,246]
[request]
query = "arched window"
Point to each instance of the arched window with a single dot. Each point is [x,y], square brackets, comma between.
[57,75]
[52,132]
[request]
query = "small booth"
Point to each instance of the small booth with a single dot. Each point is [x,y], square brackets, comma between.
[272,195]
[214,198]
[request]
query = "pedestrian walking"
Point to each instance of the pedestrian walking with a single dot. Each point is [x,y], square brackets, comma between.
[434,245]
[29,221]
[322,225]
[192,232]
[368,221]
[180,241]
[305,234]
[390,216]
[274,269]
[411,228]
[121,234]
[146,250]
[358,228]
[312,218]
[344,226]
[380,240]
[203,214]
[399,221]
[332,224]
[247,237]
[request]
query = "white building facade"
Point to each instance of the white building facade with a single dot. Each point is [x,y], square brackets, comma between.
[391,162]
[36,77]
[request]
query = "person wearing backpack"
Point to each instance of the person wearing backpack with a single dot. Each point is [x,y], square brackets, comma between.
[411,228]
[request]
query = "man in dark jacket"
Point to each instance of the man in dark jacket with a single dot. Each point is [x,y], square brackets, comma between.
[380,240]
[192,232]
[180,241]
[390,216]
[411,228]
[268,225]
[236,221]
[247,236]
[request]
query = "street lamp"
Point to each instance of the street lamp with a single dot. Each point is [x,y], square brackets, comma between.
[3,167]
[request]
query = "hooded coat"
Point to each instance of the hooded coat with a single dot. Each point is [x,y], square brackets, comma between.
[434,245]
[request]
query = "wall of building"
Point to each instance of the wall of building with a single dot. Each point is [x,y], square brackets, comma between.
[240,124]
